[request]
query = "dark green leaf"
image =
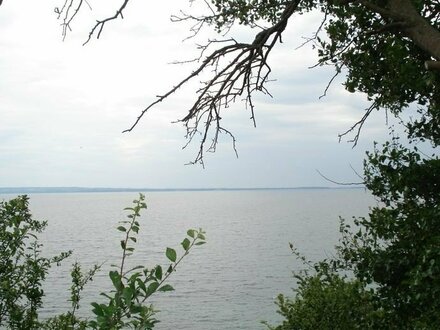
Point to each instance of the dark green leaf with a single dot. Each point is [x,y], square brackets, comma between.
[142,285]
[185,244]
[191,233]
[127,293]
[166,288]
[116,279]
[152,288]
[171,254]
[97,310]
[158,273]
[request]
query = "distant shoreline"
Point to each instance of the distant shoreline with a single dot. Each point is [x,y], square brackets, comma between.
[58,190]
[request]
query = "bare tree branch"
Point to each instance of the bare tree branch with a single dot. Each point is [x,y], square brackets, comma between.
[356,172]
[239,70]
[71,8]
[315,35]
[340,183]
[68,15]
[338,71]
[100,24]
[358,125]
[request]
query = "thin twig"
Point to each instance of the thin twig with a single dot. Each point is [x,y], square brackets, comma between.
[339,183]
[100,24]
[358,125]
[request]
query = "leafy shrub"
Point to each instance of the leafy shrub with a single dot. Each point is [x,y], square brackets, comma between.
[327,301]
[23,270]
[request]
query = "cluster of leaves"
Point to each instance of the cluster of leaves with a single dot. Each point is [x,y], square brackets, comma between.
[246,12]
[69,320]
[384,65]
[327,301]
[23,270]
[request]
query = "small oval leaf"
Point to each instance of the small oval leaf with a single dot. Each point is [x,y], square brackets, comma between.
[158,273]
[171,254]
[185,244]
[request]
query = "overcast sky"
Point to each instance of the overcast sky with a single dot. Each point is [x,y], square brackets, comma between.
[63,106]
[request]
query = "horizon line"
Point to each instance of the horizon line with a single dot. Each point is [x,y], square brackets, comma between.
[74,189]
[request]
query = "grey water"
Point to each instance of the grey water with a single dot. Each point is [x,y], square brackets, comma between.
[232,281]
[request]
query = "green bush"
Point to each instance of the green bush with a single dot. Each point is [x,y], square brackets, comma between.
[23,271]
[327,302]
[22,268]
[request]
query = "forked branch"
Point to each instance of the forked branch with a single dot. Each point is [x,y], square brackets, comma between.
[239,70]
[357,127]
[71,8]
[99,26]
[68,12]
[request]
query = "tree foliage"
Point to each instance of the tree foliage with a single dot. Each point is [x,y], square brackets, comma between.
[397,247]
[22,267]
[326,301]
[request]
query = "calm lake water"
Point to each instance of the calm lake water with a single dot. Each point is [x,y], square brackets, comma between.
[229,283]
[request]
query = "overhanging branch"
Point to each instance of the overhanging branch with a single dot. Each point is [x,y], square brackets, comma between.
[239,70]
